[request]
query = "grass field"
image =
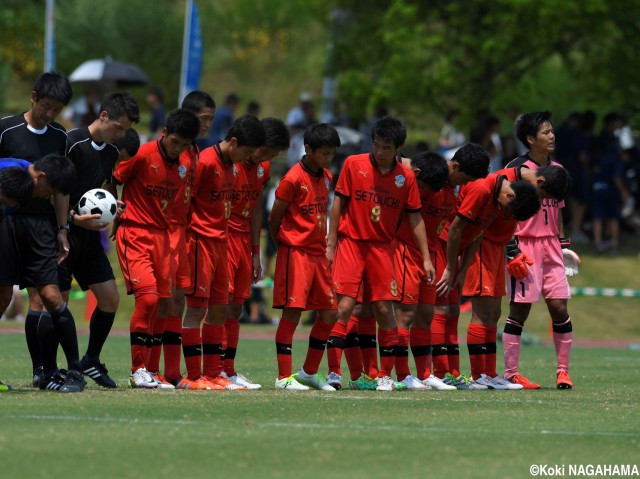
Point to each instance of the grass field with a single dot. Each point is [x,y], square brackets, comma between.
[275,434]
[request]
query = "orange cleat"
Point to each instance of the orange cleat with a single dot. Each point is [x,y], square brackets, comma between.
[192,385]
[526,384]
[564,381]
[226,384]
[211,383]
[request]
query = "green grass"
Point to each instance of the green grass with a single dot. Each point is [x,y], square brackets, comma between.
[274,434]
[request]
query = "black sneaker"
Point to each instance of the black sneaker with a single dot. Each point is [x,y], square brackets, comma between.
[74,383]
[98,372]
[51,383]
[37,375]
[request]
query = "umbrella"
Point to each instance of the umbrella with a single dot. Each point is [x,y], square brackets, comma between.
[108,73]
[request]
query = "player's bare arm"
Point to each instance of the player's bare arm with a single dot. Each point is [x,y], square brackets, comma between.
[275,218]
[445,284]
[61,205]
[419,231]
[334,217]
[256,229]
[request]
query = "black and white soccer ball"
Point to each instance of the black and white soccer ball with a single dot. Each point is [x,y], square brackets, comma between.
[98,201]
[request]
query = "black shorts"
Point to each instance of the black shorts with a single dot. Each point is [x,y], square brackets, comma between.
[87,262]
[29,250]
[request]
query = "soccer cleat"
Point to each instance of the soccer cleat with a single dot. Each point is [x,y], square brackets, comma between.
[501,383]
[161,381]
[315,381]
[73,383]
[413,384]
[37,376]
[197,385]
[526,384]
[241,380]
[142,379]
[225,383]
[335,380]
[563,380]
[5,387]
[438,384]
[51,383]
[98,372]
[210,384]
[291,384]
[385,384]
[463,383]
[363,383]
[497,383]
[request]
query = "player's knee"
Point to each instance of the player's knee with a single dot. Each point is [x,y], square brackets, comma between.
[235,310]
[109,303]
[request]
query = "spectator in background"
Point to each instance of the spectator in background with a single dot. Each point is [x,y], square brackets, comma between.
[365,129]
[155,100]
[82,112]
[450,137]
[296,115]
[298,119]
[608,186]
[572,150]
[224,118]
[253,108]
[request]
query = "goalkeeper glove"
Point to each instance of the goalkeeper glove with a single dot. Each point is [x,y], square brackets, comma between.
[517,261]
[571,262]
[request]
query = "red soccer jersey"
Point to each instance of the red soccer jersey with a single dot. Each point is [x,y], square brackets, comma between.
[437,208]
[376,201]
[250,179]
[504,226]
[151,183]
[478,205]
[211,194]
[187,169]
[304,224]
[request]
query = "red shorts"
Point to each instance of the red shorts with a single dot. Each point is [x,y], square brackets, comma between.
[412,282]
[144,259]
[440,265]
[486,273]
[180,272]
[302,281]
[354,259]
[209,271]
[240,266]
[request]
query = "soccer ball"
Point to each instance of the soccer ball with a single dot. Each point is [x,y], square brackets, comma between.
[98,201]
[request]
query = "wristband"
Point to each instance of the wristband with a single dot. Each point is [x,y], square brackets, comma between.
[255,249]
[64,227]
[70,217]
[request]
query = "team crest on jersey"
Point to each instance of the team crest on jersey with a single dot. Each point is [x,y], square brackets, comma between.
[326,183]
[260,171]
[182,171]
[235,170]
[400,179]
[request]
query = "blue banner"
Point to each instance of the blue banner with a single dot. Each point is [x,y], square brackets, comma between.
[192,51]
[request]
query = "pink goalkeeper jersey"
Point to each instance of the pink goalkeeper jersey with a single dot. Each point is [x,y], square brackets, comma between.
[545,221]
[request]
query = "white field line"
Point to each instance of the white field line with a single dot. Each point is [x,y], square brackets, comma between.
[465,430]
[101,419]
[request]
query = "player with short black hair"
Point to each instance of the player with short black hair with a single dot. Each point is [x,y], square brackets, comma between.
[539,239]
[30,136]
[207,238]
[298,225]
[245,226]
[128,144]
[151,181]
[92,151]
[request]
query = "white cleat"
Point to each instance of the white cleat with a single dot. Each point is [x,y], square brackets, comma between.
[142,379]
[290,384]
[438,384]
[315,381]
[385,384]
[240,380]
[501,383]
[335,380]
[414,384]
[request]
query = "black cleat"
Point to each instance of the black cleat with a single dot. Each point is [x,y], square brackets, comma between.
[37,376]
[51,383]
[98,372]
[74,383]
